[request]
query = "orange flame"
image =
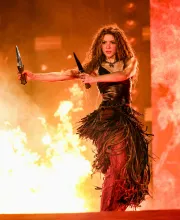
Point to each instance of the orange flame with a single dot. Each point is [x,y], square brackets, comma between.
[28,186]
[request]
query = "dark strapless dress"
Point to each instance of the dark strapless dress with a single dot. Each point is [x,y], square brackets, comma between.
[117,132]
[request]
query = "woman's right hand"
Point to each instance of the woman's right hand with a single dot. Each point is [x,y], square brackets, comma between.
[29,75]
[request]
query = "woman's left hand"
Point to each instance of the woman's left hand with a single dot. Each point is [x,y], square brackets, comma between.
[86,78]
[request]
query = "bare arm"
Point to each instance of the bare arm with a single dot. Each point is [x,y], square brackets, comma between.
[53,76]
[128,72]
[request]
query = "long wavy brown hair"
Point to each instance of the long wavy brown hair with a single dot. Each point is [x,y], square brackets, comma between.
[95,56]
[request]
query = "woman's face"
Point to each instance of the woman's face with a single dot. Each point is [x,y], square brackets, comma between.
[109,46]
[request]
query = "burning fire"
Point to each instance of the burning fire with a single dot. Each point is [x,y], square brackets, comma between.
[30,186]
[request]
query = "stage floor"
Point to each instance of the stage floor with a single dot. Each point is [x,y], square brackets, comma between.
[132,215]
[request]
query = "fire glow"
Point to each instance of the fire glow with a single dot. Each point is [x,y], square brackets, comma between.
[165,40]
[30,186]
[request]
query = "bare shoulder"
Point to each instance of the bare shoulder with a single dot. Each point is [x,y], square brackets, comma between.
[131,61]
[130,67]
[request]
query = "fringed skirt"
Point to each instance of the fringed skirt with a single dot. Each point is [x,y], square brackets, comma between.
[121,154]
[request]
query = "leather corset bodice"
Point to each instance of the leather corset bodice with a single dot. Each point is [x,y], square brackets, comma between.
[114,91]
